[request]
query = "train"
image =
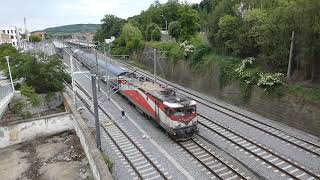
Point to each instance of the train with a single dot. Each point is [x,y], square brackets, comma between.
[174,112]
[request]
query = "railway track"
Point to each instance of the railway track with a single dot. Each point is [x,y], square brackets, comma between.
[212,162]
[144,166]
[280,164]
[307,146]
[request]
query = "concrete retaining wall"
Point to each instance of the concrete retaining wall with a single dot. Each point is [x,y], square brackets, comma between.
[97,164]
[14,133]
[4,103]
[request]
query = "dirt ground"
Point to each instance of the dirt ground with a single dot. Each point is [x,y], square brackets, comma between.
[50,158]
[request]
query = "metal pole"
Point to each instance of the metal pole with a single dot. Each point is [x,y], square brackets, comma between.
[97,71]
[106,68]
[109,50]
[290,56]
[165,22]
[7,58]
[72,80]
[96,113]
[155,64]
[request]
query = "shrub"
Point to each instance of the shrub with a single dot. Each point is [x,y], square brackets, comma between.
[30,94]
[269,80]
[152,32]
[174,29]
[156,34]
[34,38]
[130,39]
[199,52]
[187,48]
[108,161]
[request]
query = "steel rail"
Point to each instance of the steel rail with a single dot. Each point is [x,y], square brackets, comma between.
[125,134]
[257,145]
[207,104]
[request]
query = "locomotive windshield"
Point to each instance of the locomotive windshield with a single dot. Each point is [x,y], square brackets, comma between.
[183,111]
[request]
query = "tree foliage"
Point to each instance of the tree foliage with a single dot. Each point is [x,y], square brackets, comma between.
[156,34]
[153,32]
[45,74]
[174,29]
[130,40]
[189,22]
[242,28]
[34,38]
[111,26]
[262,29]
[6,50]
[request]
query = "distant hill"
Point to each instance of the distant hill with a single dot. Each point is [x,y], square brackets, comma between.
[73,28]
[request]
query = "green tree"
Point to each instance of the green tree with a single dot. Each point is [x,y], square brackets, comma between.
[6,50]
[30,94]
[189,22]
[156,34]
[227,33]
[174,29]
[34,38]
[131,38]
[150,29]
[45,74]
[222,8]
[111,26]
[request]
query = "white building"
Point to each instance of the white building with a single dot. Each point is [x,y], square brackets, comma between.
[13,33]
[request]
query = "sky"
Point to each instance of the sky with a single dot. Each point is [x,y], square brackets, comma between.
[41,14]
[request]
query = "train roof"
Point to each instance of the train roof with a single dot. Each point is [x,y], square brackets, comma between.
[168,95]
[116,70]
[110,69]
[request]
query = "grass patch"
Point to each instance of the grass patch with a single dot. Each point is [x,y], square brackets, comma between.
[309,93]
[227,66]
[108,161]
[173,51]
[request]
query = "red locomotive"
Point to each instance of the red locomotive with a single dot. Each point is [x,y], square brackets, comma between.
[174,112]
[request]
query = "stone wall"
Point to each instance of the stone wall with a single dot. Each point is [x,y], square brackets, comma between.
[293,111]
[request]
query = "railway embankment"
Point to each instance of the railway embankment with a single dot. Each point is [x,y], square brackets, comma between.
[294,111]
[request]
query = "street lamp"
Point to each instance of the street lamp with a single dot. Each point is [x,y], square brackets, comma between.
[72,76]
[165,21]
[7,58]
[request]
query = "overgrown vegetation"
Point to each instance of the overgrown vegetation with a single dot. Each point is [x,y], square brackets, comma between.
[111,26]
[108,161]
[36,73]
[34,38]
[228,31]
[173,50]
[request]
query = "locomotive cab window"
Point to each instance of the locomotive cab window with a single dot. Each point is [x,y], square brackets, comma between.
[179,112]
[191,109]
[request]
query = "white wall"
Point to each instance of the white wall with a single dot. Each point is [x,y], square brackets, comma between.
[13,32]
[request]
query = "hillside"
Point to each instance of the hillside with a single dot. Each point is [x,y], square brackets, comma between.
[72,28]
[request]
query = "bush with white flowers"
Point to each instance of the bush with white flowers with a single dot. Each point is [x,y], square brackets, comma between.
[187,48]
[245,75]
[248,75]
[246,63]
[268,80]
